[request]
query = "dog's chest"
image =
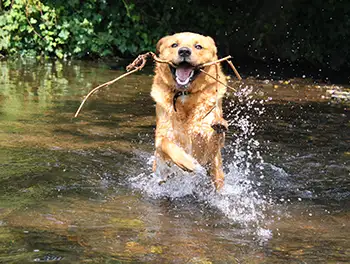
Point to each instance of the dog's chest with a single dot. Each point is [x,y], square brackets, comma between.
[185,105]
[191,107]
[192,118]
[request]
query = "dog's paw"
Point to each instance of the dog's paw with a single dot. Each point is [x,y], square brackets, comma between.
[220,125]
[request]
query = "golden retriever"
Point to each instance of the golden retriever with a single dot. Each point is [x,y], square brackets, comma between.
[190,128]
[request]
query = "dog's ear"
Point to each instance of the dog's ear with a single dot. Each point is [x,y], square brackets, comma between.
[159,43]
[213,45]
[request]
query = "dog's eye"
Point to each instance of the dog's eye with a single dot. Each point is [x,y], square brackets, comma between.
[174,45]
[197,46]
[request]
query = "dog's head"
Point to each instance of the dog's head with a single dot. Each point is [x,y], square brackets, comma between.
[186,51]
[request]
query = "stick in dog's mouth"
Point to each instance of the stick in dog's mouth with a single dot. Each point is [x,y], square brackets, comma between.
[184,73]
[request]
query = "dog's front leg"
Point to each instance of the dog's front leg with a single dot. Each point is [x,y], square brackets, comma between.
[216,171]
[218,123]
[179,156]
[167,148]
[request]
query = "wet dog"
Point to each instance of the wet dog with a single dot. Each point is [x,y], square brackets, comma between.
[190,128]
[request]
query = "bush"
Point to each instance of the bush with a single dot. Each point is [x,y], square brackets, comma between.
[71,28]
[315,31]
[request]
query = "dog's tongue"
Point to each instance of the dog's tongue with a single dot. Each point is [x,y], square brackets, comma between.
[183,75]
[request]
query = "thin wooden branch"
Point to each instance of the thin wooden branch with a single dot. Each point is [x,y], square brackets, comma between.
[211,109]
[162,61]
[218,80]
[234,70]
[103,85]
[30,24]
[215,62]
[227,59]
[140,61]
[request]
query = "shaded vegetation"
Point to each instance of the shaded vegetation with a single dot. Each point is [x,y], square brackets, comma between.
[315,31]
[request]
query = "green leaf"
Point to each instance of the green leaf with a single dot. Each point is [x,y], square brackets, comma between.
[77,50]
[59,53]
[106,52]
[85,22]
[64,34]
[7,3]
[135,18]
[33,20]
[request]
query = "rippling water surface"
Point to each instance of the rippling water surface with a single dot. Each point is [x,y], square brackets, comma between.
[83,191]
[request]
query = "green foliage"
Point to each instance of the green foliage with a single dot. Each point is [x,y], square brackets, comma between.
[72,28]
[314,31]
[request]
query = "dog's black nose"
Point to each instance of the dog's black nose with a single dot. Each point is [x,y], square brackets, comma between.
[184,52]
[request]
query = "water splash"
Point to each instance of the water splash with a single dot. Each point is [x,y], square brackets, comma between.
[239,199]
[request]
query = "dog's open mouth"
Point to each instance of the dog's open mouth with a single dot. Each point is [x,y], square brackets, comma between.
[184,74]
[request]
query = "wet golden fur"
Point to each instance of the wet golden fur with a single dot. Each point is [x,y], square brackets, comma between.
[190,136]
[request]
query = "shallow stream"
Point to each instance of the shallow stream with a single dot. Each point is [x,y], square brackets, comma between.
[82,190]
